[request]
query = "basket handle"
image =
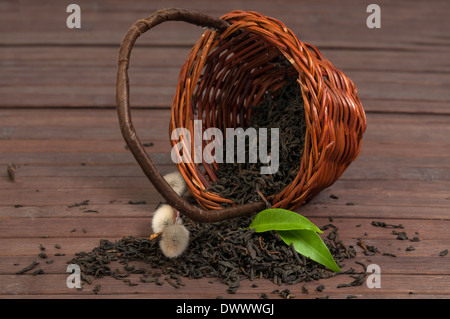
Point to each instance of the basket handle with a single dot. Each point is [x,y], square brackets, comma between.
[127,128]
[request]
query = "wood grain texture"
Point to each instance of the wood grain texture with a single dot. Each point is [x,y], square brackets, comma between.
[404,61]
[59,126]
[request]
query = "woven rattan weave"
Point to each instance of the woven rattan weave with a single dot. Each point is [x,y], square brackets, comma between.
[229,70]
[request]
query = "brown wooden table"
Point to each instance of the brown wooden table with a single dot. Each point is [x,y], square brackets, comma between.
[58,125]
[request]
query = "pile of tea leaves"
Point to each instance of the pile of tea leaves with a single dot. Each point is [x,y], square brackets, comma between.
[226,250]
[243,182]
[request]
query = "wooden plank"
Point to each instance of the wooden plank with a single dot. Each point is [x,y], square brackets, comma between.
[420,98]
[347,206]
[44,118]
[400,265]
[325,209]
[59,227]
[87,158]
[103,124]
[85,76]
[29,62]
[101,59]
[33,173]
[120,164]
[24,145]
[56,196]
[395,193]
[372,154]
[69,81]
[35,176]
[392,133]
[422,154]
[80,118]
[203,288]
[40,175]
[348,295]
[391,197]
[337,25]
[83,96]
[113,209]
[429,144]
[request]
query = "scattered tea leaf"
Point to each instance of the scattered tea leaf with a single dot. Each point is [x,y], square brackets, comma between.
[27,268]
[137,202]
[83,203]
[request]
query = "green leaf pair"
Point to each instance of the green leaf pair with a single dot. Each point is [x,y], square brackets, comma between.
[296,230]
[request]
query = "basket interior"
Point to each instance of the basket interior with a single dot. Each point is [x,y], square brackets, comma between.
[236,75]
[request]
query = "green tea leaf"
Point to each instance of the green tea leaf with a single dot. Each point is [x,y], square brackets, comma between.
[281,219]
[309,244]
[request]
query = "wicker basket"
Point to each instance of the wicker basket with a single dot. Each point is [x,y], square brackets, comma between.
[226,72]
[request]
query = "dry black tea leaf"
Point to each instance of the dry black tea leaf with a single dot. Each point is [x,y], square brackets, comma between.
[226,250]
[242,182]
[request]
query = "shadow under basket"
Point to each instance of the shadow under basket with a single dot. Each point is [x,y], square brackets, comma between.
[241,57]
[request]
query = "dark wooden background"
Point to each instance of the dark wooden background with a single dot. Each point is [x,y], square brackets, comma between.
[58,125]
